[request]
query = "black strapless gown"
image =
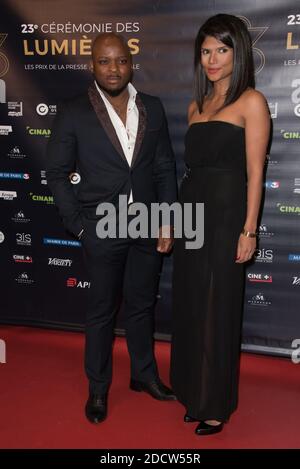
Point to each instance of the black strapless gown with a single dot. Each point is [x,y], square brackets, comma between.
[208,285]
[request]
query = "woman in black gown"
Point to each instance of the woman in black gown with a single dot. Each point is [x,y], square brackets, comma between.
[226,146]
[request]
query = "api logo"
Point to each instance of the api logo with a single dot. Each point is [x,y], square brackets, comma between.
[272,184]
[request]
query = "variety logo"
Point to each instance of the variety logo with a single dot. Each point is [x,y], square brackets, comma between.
[294,257]
[259,300]
[8,195]
[19,217]
[22,258]
[38,132]
[74,283]
[47,199]
[15,152]
[15,108]
[272,184]
[46,109]
[2,237]
[287,209]
[62,242]
[264,255]
[5,129]
[24,279]
[60,262]
[296,281]
[23,239]
[24,176]
[265,278]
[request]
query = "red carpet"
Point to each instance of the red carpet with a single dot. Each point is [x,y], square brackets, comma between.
[43,392]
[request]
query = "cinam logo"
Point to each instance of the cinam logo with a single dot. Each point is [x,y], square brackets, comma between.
[290,134]
[38,132]
[46,199]
[288,209]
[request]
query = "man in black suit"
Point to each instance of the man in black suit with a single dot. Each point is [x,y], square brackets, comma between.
[117,139]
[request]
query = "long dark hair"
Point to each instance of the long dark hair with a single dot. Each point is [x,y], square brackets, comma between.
[233,33]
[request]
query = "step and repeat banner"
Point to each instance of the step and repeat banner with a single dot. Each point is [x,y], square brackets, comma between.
[45,48]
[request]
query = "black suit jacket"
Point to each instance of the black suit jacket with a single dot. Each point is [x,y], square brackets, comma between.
[84,139]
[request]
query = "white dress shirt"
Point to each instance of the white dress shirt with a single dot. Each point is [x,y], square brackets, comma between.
[126,134]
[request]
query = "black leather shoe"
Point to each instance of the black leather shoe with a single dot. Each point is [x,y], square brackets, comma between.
[156,389]
[188,419]
[96,408]
[205,429]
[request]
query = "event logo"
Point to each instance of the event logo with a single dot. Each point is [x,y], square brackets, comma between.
[259,300]
[72,282]
[23,239]
[15,108]
[273,107]
[22,258]
[59,262]
[2,237]
[256,33]
[8,195]
[259,277]
[19,217]
[288,209]
[294,257]
[24,279]
[23,176]
[270,160]
[38,132]
[264,231]
[15,152]
[46,199]
[4,63]
[272,184]
[296,186]
[296,281]
[296,353]
[46,109]
[295,97]
[43,177]
[62,242]
[264,255]
[75,178]
[5,129]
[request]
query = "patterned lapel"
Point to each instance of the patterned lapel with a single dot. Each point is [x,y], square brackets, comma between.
[103,117]
[141,128]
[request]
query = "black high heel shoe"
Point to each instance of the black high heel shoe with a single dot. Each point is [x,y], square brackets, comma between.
[188,419]
[205,429]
